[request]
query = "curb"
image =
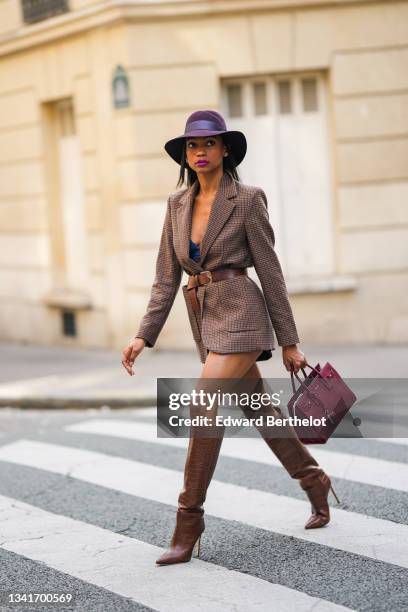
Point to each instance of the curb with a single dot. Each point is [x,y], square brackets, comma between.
[53,403]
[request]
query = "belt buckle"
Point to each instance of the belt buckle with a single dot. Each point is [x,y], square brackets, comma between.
[209,276]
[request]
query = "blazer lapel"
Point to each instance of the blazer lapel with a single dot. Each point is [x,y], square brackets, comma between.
[184,216]
[221,209]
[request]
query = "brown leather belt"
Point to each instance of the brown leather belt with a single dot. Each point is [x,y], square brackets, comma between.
[207,277]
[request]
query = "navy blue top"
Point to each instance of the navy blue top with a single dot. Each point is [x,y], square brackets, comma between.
[194,251]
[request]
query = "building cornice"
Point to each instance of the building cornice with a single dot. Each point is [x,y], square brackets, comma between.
[113,11]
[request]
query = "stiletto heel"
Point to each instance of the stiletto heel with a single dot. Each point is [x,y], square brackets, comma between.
[332,490]
[198,546]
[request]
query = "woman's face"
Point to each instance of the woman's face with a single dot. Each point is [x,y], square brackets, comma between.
[205,154]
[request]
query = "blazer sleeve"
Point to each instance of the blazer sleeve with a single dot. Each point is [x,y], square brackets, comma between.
[165,285]
[261,241]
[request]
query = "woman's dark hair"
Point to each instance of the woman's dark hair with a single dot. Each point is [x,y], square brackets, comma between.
[228,162]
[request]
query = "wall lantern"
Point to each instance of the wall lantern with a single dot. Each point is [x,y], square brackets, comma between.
[120,88]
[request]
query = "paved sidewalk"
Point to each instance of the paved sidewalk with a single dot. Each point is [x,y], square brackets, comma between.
[57,377]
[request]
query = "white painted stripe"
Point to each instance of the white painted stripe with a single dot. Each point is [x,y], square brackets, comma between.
[367,470]
[143,412]
[403,441]
[93,384]
[352,532]
[46,383]
[127,566]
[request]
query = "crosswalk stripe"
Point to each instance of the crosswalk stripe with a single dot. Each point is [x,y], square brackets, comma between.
[402,441]
[351,532]
[40,384]
[367,470]
[126,566]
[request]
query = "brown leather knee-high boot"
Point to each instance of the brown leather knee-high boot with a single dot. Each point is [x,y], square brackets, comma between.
[300,464]
[202,456]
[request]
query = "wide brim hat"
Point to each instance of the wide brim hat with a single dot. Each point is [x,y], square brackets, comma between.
[207,123]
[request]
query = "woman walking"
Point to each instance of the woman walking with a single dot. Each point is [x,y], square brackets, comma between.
[214,230]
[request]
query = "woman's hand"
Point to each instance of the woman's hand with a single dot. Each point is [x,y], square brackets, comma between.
[130,353]
[293,358]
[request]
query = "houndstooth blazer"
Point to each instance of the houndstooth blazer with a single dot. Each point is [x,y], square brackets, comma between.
[235,315]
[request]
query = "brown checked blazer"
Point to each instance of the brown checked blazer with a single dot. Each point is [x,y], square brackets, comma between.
[235,315]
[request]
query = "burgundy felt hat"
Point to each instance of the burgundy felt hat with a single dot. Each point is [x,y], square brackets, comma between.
[207,123]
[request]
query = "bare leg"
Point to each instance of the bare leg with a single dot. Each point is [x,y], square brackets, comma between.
[201,460]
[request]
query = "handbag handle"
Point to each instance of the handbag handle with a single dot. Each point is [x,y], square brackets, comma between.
[304,374]
[311,395]
[307,390]
[323,380]
[291,377]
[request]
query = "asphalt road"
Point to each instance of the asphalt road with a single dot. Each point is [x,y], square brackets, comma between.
[88,501]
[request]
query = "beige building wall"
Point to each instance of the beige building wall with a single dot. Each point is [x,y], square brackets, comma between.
[176,65]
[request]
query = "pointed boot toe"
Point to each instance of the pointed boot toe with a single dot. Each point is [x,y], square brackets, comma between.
[179,554]
[187,534]
[317,485]
[175,554]
[316,521]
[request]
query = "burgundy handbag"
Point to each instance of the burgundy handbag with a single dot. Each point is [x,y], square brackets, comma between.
[323,393]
